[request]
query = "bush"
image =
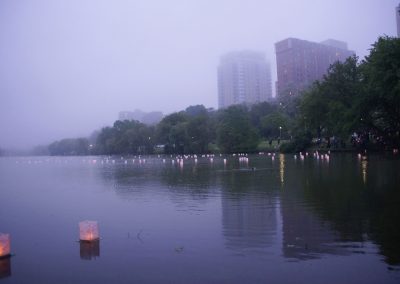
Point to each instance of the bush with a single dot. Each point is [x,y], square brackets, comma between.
[298,144]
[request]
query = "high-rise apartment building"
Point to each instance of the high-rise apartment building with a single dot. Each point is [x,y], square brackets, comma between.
[398,20]
[300,62]
[243,77]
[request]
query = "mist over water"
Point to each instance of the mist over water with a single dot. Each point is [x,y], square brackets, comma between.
[68,67]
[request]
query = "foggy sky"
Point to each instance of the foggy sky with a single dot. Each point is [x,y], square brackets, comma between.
[68,67]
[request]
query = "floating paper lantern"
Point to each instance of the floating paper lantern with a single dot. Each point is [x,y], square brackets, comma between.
[4,245]
[88,231]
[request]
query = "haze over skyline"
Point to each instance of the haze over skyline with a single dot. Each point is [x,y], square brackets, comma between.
[68,67]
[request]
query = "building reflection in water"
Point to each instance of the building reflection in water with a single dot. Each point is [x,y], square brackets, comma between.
[305,233]
[89,250]
[5,267]
[249,219]
[305,236]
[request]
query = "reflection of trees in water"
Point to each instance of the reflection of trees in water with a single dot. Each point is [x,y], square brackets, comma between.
[383,200]
[189,186]
[190,176]
[356,211]
[305,234]
[130,181]
[248,210]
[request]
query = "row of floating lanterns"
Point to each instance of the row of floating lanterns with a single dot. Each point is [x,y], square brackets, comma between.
[179,159]
[88,232]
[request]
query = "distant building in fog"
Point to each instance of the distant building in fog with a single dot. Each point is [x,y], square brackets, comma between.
[300,62]
[398,20]
[243,77]
[153,117]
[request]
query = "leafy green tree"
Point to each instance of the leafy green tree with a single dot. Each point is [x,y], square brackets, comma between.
[199,134]
[258,111]
[125,137]
[274,125]
[196,110]
[171,132]
[381,78]
[331,106]
[235,132]
[78,146]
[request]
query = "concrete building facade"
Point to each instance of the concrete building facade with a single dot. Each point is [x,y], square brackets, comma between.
[300,62]
[243,77]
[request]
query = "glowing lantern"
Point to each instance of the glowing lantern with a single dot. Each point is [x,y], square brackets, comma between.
[88,231]
[4,245]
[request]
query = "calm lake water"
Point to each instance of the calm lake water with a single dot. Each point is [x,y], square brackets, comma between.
[286,221]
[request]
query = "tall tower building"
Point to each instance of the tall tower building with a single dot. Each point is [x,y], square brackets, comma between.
[243,77]
[398,20]
[300,62]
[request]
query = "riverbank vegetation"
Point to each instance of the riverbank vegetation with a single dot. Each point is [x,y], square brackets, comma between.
[355,106]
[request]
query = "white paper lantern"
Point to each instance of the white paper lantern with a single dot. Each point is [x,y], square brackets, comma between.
[4,245]
[88,231]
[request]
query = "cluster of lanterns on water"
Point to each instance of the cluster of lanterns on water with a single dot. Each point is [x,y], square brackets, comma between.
[242,158]
[179,159]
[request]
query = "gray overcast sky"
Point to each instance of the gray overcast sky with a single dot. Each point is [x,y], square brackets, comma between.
[68,67]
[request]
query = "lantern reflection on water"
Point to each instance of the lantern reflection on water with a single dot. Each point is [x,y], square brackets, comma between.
[5,267]
[4,245]
[89,250]
[88,231]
